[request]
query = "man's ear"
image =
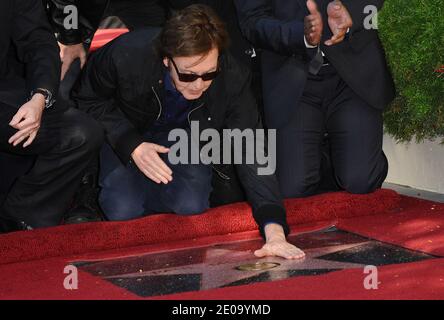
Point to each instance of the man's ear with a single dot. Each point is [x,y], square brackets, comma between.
[166,61]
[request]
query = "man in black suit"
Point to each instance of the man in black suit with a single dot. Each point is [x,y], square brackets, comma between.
[63,140]
[74,44]
[324,73]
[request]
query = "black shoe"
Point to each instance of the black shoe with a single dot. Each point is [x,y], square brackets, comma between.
[85,206]
[8,225]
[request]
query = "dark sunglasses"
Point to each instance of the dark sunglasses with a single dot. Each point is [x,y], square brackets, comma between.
[191,77]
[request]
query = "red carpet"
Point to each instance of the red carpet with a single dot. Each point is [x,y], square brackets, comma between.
[413,281]
[420,280]
[32,263]
[235,218]
[384,215]
[416,225]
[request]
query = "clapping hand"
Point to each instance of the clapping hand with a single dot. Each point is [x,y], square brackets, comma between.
[339,21]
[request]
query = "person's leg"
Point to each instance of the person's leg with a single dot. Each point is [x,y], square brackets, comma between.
[68,82]
[12,167]
[189,191]
[124,189]
[227,188]
[299,145]
[67,140]
[126,193]
[84,207]
[328,181]
[355,133]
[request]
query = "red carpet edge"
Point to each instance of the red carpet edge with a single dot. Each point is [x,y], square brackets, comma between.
[235,218]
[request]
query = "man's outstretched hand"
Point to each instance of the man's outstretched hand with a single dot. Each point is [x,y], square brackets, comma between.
[313,24]
[339,21]
[146,157]
[277,245]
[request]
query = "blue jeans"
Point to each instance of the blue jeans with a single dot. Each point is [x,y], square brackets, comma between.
[126,193]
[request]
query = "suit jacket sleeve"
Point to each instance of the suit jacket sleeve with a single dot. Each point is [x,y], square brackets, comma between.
[263,30]
[96,94]
[36,46]
[262,191]
[356,10]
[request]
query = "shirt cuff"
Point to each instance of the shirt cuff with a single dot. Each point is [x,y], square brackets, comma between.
[307,45]
[271,213]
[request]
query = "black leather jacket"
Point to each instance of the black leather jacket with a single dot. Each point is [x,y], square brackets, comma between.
[90,15]
[122,86]
[29,55]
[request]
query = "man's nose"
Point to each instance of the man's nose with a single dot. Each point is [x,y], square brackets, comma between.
[198,84]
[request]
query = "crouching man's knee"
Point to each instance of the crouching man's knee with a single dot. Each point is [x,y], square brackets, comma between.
[360,183]
[191,204]
[190,191]
[365,180]
[118,207]
[84,133]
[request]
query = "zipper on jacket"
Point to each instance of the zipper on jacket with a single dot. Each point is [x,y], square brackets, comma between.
[160,103]
[221,174]
[189,114]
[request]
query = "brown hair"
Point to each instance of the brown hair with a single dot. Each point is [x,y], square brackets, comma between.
[192,31]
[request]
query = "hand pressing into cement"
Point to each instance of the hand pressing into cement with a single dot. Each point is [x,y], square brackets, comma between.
[277,245]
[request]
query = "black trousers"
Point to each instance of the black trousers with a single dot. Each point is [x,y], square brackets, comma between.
[65,144]
[329,107]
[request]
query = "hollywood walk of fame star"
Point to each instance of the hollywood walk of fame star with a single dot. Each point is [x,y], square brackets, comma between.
[216,275]
[217,266]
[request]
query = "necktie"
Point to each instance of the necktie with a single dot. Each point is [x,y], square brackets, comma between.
[316,63]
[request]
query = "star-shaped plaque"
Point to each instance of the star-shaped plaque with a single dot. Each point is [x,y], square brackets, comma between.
[234,264]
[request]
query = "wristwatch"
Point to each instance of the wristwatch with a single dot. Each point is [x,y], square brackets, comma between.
[49,100]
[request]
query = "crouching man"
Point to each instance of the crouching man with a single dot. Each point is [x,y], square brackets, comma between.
[62,140]
[141,87]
